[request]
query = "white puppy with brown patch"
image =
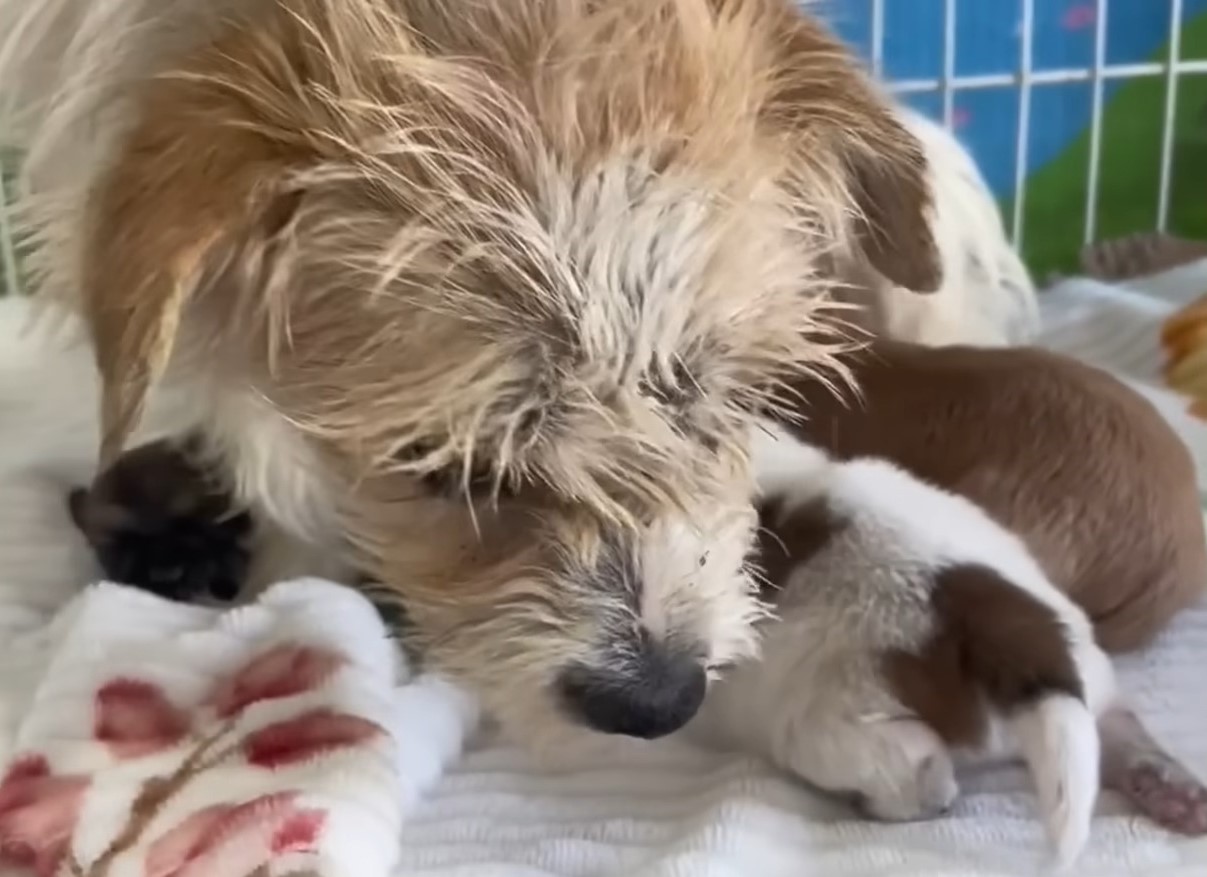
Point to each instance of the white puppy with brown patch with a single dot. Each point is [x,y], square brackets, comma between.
[914,631]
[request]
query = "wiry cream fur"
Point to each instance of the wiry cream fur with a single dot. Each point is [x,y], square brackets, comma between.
[817,703]
[555,255]
[987,297]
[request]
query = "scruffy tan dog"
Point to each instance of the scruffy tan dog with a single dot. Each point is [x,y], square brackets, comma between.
[482,295]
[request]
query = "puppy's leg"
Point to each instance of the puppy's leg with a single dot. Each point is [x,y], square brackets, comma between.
[157,520]
[896,770]
[1061,745]
[1136,765]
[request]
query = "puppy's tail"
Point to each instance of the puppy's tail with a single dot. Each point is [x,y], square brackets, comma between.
[1032,655]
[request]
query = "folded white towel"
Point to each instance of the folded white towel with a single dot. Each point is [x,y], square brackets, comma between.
[164,740]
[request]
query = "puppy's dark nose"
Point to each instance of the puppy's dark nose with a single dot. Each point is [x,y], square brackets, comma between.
[651,697]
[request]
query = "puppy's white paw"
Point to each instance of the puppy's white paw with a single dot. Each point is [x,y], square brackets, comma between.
[910,774]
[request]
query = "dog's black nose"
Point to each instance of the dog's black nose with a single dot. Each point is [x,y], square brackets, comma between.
[651,697]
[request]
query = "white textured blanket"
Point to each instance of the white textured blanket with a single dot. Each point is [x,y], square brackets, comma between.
[660,809]
[144,738]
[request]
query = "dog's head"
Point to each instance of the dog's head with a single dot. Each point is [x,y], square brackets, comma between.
[521,275]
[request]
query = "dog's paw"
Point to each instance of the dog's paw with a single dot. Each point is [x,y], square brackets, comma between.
[1167,793]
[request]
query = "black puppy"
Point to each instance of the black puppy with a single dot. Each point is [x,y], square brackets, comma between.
[157,522]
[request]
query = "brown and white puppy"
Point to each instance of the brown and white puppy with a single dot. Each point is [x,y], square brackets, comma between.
[1084,470]
[553,254]
[911,630]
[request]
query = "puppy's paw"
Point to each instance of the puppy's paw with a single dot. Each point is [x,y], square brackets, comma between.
[910,776]
[1137,766]
[1059,740]
[154,522]
[1167,793]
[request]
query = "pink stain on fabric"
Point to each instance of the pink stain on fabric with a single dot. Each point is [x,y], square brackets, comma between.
[135,718]
[38,814]
[1079,17]
[283,671]
[307,736]
[235,838]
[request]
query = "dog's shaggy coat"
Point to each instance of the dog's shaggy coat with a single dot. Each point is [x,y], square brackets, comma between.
[483,295]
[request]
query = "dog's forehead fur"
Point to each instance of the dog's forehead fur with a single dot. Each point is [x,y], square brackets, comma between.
[503,218]
[621,320]
[556,233]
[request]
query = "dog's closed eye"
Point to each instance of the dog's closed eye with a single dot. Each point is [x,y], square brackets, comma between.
[453,480]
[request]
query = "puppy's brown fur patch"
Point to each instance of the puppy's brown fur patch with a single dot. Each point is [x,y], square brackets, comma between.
[1077,464]
[787,541]
[993,643]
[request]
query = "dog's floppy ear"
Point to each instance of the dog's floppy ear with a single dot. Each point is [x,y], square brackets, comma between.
[836,114]
[188,183]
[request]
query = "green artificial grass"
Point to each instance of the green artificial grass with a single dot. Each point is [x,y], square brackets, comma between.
[1129,170]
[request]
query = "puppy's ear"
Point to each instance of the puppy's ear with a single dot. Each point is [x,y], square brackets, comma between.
[837,116]
[894,201]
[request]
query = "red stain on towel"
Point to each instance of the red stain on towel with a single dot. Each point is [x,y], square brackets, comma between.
[309,735]
[235,838]
[135,718]
[283,671]
[38,814]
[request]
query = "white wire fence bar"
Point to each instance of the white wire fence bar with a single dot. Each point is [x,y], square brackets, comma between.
[1022,142]
[1026,78]
[1098,83]
[1176,16]
[1049,77]
[949,62]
